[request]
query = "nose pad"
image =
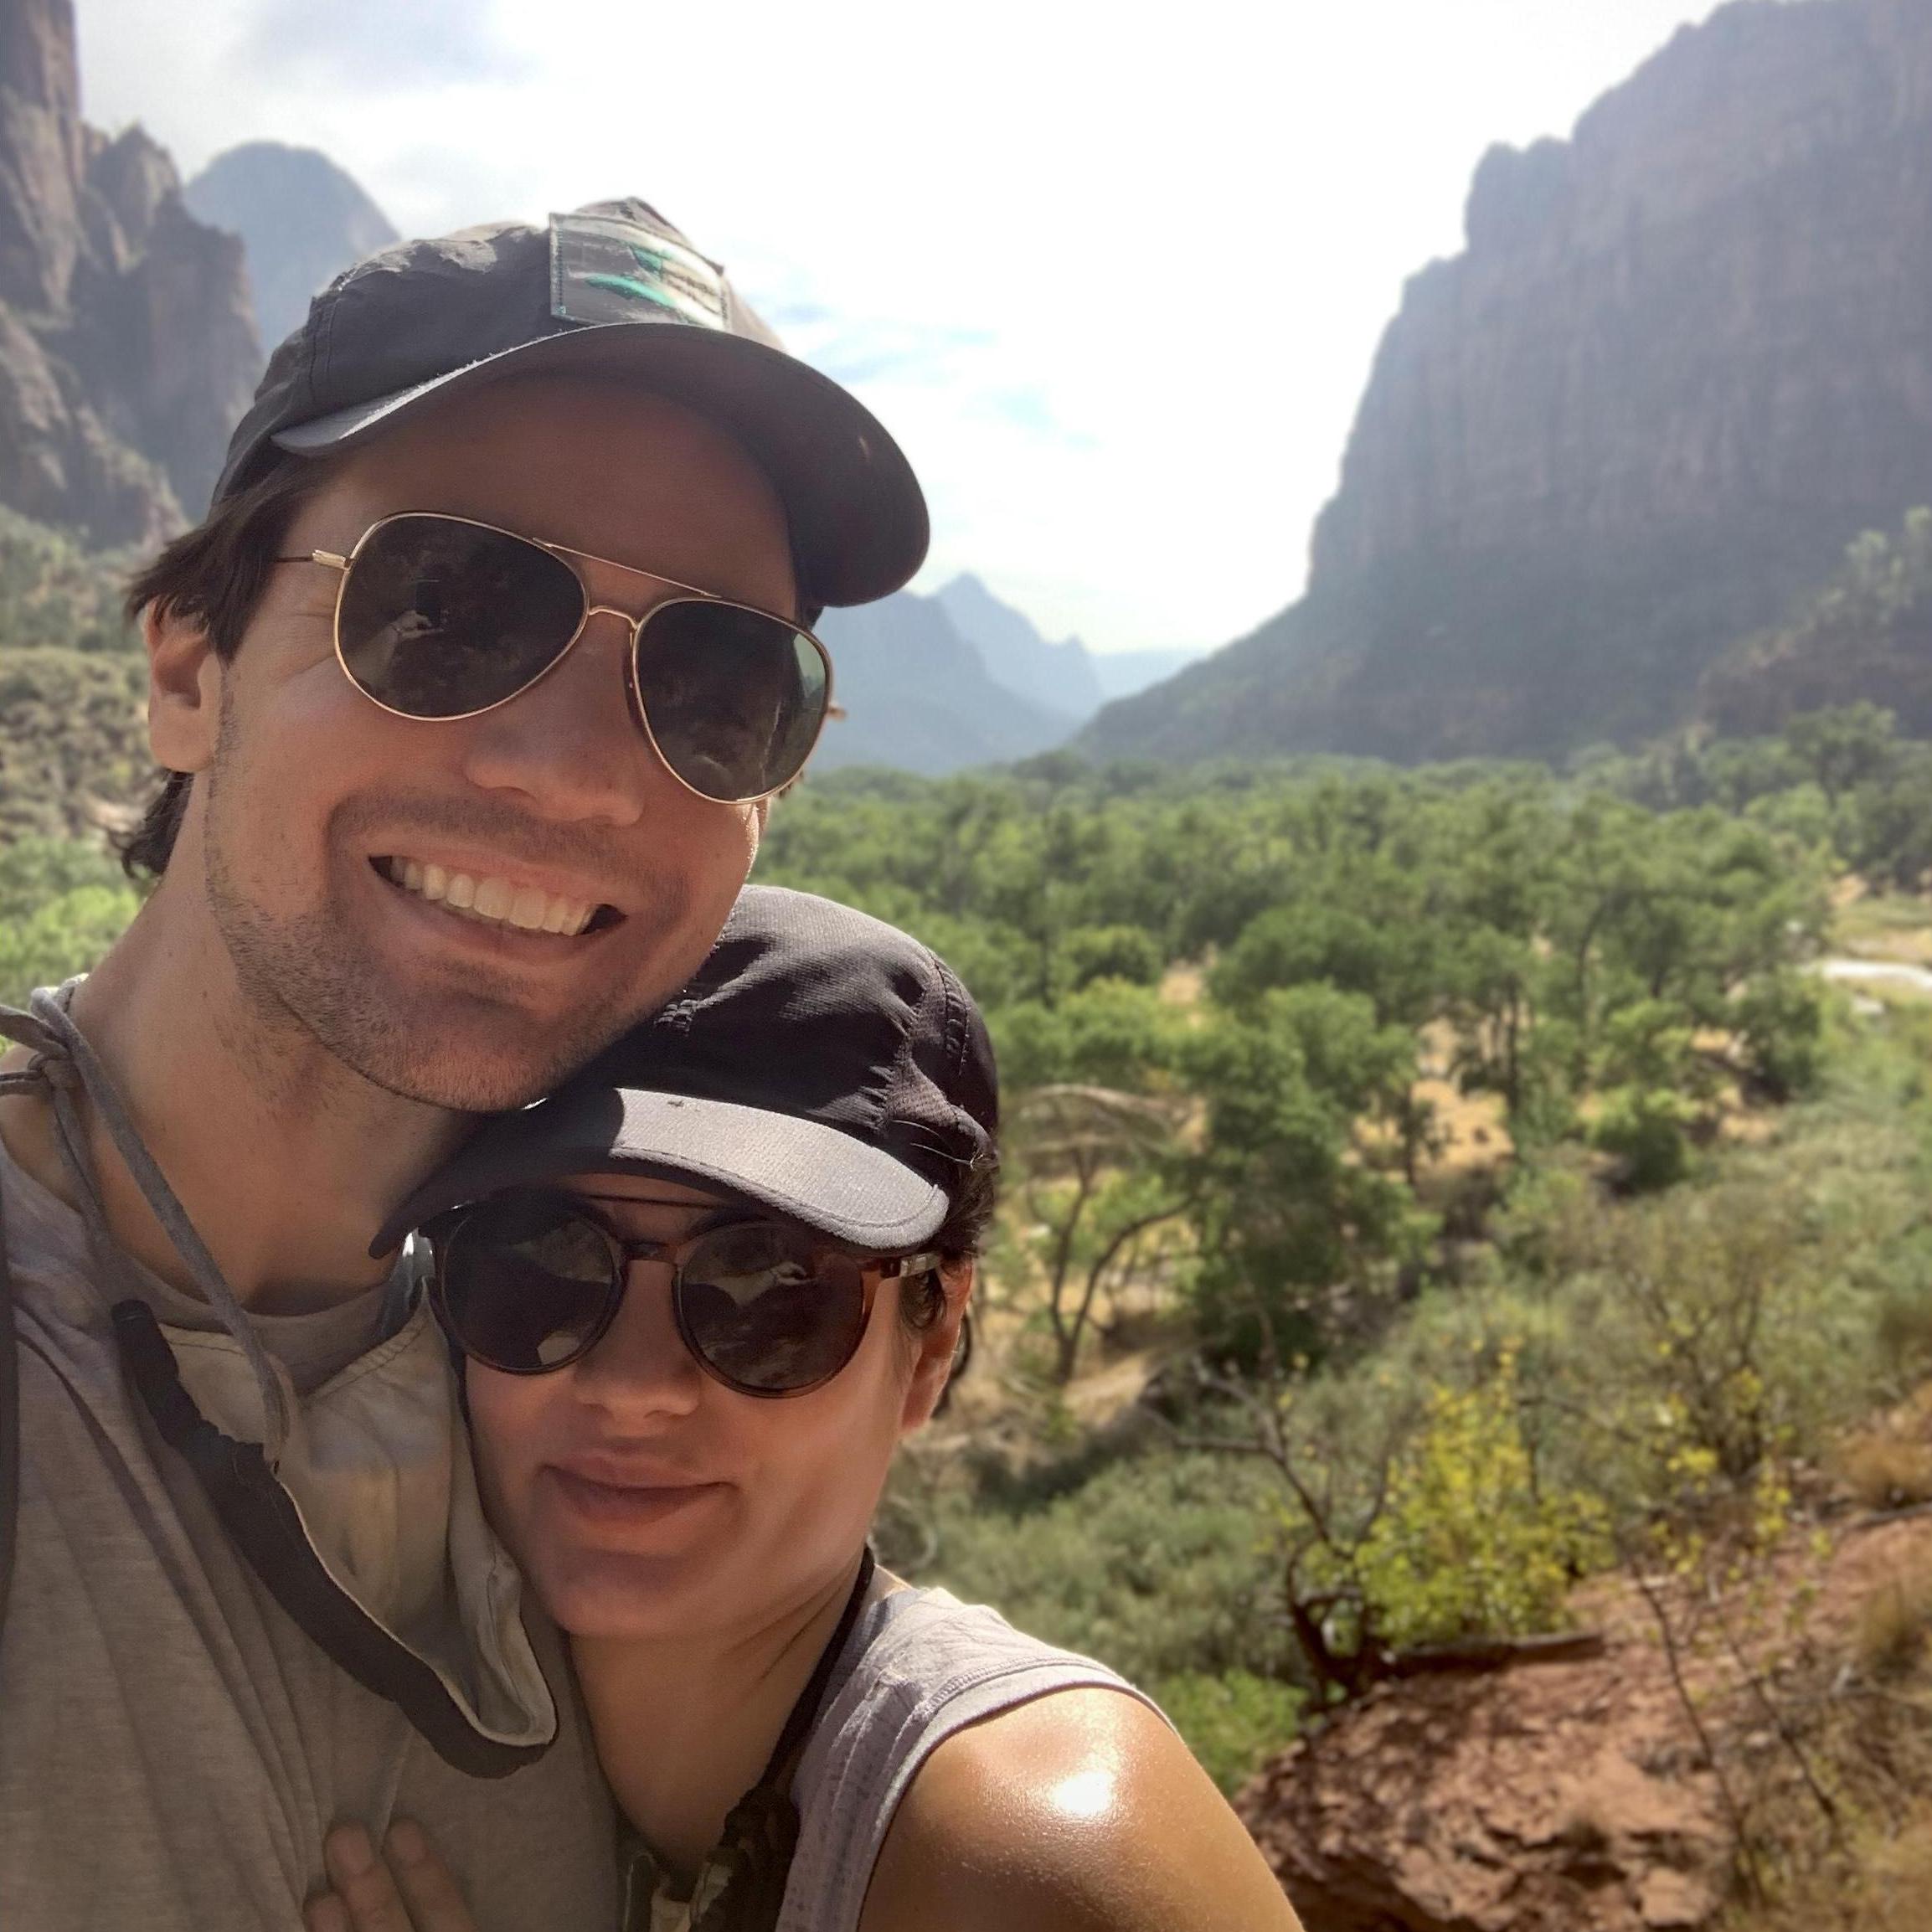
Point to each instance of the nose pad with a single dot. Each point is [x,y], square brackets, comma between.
[564,744]
[641,1364]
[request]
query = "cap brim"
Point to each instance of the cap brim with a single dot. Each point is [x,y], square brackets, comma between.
[802,1169]
[858,522]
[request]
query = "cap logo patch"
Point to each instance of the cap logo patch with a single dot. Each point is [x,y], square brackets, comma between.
[606,268]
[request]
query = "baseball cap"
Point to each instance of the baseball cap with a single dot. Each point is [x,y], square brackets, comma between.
[821,1063]
[610,289]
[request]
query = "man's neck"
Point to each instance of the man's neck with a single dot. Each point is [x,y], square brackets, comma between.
[285,1160]
[685,1728]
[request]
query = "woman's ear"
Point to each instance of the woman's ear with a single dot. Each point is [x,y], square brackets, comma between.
[183,689]
[939,1345]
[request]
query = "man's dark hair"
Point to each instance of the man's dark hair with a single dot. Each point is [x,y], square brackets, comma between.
[214,575]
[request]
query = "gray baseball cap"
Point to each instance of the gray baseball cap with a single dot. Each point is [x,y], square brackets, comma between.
[610,289]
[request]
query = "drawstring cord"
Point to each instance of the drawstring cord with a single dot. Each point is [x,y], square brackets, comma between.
[64,1066]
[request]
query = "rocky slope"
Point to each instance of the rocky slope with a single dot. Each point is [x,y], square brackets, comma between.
[1580,1796]
[301,218]
[127,347]
[1685,357]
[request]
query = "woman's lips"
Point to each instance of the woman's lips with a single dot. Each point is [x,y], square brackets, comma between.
[627,1505]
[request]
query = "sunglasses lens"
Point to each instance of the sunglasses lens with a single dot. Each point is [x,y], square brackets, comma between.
[734,699]
[768,1310]
[526,1283]
[441,618]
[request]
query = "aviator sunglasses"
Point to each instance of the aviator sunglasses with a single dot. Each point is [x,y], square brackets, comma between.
[440,617]
[528,1281]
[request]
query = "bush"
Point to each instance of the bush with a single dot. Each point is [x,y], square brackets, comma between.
[62,904]
[1469,1545]
[1232,1723]
[66,935]
[1887,1472]
[1893,1623]
[1160,1565]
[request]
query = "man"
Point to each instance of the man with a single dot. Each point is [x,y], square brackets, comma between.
[475,683]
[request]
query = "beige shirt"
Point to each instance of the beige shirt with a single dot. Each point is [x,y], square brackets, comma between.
[171,1747]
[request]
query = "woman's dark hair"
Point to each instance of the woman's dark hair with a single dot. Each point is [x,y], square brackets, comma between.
[214,575]
[960,1238]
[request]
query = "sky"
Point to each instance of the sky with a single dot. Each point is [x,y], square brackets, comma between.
[1113,276]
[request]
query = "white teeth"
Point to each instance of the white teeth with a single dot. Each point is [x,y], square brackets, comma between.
[495,901]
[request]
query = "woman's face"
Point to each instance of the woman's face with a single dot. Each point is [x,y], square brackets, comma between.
[643,1499]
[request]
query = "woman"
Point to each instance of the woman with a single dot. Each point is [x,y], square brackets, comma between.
[702,1292]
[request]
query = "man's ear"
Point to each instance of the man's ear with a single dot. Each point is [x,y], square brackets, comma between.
[937,1346]
[183,689]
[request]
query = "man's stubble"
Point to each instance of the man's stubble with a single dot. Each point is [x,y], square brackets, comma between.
[468,1047]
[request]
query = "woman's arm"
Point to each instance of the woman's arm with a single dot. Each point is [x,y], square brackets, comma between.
[1080,1811]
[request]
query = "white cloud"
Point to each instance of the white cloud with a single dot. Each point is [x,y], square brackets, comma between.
[1115,279]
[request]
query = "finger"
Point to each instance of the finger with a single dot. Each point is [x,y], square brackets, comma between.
[364,1881]
[428,1887]
[326,1914]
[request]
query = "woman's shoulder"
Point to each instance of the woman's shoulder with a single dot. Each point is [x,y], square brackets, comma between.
[1078,1810]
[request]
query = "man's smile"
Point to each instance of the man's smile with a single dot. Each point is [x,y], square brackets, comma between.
[488,898]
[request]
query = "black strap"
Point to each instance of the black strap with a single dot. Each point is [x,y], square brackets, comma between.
[780,1766]
[741,1885]
[262,1521]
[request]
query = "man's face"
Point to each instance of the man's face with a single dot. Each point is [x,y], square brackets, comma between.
[317,807]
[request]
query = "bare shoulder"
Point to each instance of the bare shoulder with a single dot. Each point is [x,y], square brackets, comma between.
[1080,1811]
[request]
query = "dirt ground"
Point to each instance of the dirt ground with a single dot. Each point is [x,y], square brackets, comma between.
[1608,1794]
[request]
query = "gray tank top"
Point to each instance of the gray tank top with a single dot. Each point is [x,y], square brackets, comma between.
[918,1666]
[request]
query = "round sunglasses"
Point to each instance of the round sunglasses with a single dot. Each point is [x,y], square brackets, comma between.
[440,617]
[529,1280]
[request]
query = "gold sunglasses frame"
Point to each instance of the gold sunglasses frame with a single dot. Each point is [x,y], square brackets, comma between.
[694,594]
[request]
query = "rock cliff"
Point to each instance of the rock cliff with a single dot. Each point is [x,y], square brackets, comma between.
[1685,357]
[128,346]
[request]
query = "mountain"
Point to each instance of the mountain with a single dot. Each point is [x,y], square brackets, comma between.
[128,346]
[1864,637]
[1066,677]
[1058,676]
[917,696]
[301,218]
[1121,673]
[1684,360]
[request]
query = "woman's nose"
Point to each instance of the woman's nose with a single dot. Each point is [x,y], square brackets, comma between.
[640,1365]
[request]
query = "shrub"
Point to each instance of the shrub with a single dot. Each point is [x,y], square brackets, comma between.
[1160,1565]
[62,904]
[1232,1723]
[1887,1472]
[1893,1622]
[1468,1544]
